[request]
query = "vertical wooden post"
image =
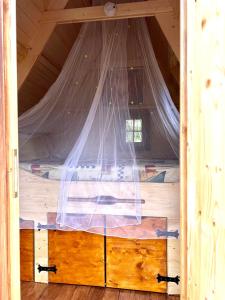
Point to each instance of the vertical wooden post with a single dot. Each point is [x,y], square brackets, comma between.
[9,203]
[183,147]
[203,148]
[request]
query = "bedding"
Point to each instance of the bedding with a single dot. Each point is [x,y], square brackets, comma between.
[158,171]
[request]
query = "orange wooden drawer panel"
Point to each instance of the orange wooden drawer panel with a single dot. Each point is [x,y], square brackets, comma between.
[78,256]
[135,264]
[27,254]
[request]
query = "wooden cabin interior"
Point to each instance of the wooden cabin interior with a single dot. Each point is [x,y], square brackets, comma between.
[166,254]
[98,267]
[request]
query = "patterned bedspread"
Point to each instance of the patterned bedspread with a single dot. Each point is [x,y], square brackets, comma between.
[149,171]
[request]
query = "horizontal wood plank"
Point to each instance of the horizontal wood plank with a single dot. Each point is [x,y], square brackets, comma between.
[96,13]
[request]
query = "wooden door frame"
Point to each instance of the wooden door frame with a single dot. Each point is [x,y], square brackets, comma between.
[183,146]
[10,273]
[9,206]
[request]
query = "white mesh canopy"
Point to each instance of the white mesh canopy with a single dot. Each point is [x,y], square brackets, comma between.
[108,108]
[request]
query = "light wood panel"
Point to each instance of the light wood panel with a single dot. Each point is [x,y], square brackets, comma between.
[78,256]
[36,35]
[173,257]
[9,208]
[205,148]
[170,25]
[96,13]
[167,61]
[48,66]
[135,264]
[31,35]
[41,253]
[27,254]
[184,71]
[40,196]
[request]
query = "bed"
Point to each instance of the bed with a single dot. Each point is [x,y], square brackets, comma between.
[159,187]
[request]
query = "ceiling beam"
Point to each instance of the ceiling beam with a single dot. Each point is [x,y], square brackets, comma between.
[96,13]
[170,25]
[37,43]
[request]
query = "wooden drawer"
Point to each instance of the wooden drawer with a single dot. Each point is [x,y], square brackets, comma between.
[135,263]
[78,256]
[27,252]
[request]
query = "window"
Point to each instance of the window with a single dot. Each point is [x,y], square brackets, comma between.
[134,131]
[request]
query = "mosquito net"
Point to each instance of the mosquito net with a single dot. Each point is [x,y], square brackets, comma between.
[108,110]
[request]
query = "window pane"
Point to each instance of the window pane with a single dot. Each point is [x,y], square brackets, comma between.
[138,125]
[137,137]
[129,137]
[129,125]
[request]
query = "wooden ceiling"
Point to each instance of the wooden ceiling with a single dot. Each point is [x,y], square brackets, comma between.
[42,48]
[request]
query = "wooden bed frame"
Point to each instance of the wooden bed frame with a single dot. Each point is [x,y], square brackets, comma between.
[41,195]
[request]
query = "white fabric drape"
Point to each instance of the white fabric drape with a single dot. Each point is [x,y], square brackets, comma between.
[81,121]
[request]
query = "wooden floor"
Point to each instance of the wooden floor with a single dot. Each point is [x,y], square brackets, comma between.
[34,291]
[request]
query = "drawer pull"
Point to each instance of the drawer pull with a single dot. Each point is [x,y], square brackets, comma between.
[167,234]
[46,227]
[47,269]
[168,279]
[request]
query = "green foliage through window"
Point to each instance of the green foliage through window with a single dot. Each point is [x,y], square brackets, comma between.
[134,131]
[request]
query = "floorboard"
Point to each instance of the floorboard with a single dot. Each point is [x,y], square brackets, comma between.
[39,291]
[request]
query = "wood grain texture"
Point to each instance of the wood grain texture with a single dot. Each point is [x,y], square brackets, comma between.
[40,254]
[173,257]
[58,292]
[161,200]
[37,291]
[9,207]
[147,228]
[78,256]
[163,53]
[185,72]
[27,254]
[36,34]
[47,66]
[31,35]
[31,290]
[170,25]
[205,148]
[96,13]
[135,264]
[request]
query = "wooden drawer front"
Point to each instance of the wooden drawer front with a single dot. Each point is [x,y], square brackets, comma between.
[78,256]
[135,264]
[27,254]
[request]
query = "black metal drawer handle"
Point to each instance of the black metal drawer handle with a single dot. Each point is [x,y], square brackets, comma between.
[168,279]
[47,269]
[40,226]
[167,234]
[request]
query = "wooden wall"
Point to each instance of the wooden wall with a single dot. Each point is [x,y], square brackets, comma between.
[168,63]
[203,147]
[9,204]
[48,64]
